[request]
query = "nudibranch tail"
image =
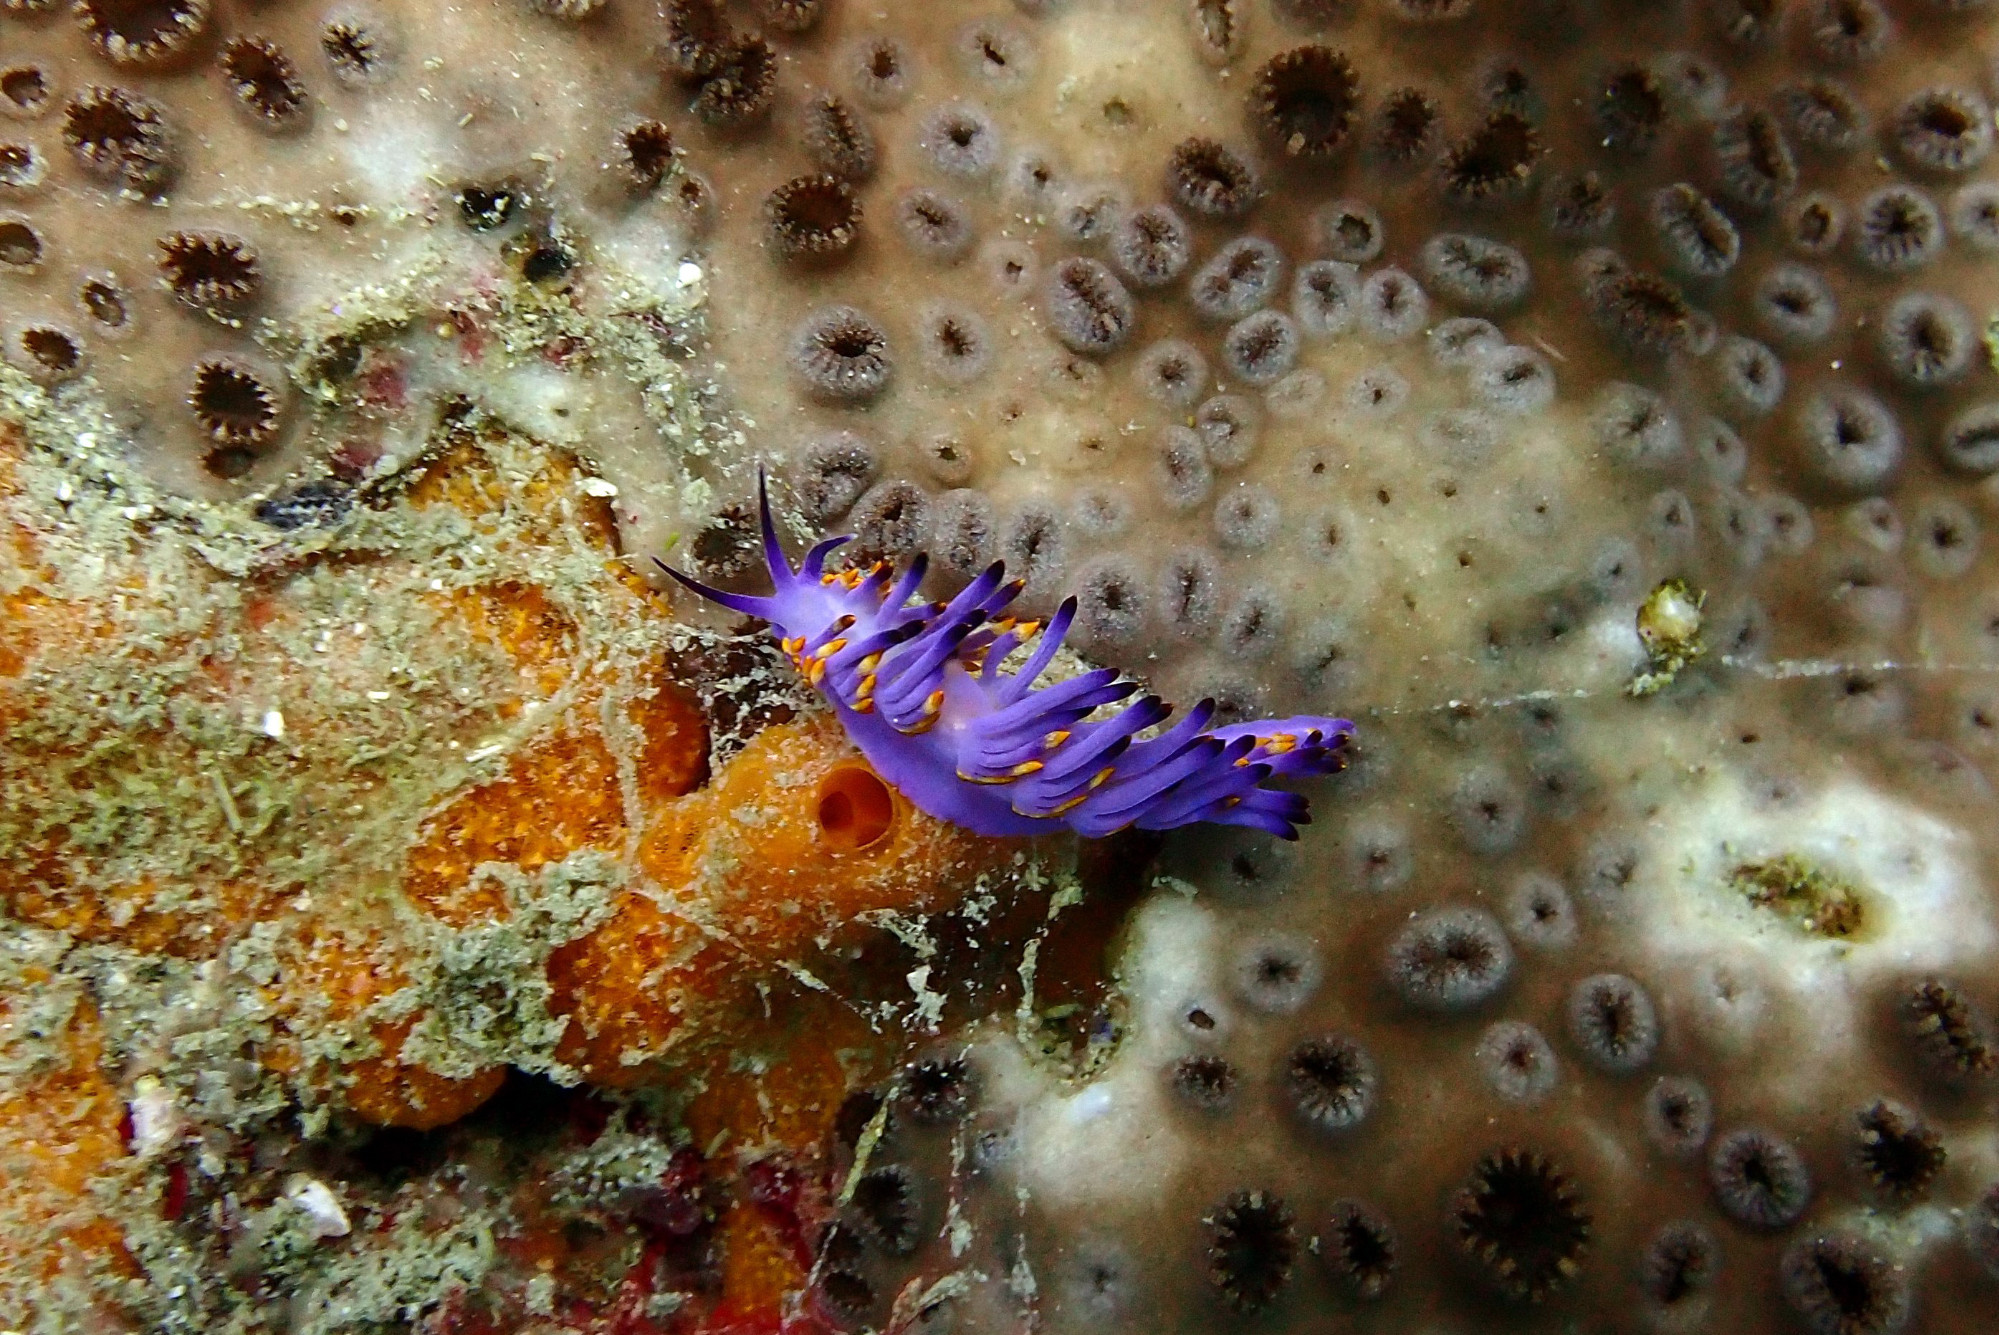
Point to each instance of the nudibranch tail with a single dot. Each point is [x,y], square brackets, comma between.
[925,692]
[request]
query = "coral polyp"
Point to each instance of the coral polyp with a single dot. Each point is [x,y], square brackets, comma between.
[1523,1220]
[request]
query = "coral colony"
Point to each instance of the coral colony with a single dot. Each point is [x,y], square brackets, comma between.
[924,691]
[420,915]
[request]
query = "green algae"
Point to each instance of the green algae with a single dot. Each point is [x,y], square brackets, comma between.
[395,1267]
[1816,901]
[1669,626]
[484,1001]
[606,1173]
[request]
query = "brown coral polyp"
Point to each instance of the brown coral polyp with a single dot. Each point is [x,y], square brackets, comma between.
[1305,100]
[1252,1244]
[142,32]
[1754,163]
[1495,161]
[791,16]
[51,354]
[1407,126]
[1943,130]
[1896,1150]
[936,1091]
[1359,1249]
[1759,1178]
[1331,1082]
[356,53]
[1631,109]
[1952,1036]
[697,37]
[104,302]
[210,270]
[1521,1218]
[1575,207]
[1822,114]
[880,73]
[1679,1267]
[25,90]
[265,82]
[1849,30]
[1207,1082]
[837,140]
[120,137]
[737,91]
[996,53]
[20,245]
[1207,177]
[1841,1284]
[644,156]
[1087,308]
[21,167]
[1218,29]
[812,218]
[1641,311]
[842,355]
[238,407]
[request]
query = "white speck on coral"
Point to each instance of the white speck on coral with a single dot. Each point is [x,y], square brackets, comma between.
[599,487]
[1613,638]
[316,1199]
[273,724]
[156,1119]
[1092,1103]
[929,1004]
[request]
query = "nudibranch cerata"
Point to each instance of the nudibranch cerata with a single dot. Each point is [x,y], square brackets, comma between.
[924,691]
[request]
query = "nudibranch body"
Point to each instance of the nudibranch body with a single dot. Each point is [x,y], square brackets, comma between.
[924,692]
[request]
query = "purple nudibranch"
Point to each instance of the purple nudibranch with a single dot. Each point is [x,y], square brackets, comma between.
[922,691]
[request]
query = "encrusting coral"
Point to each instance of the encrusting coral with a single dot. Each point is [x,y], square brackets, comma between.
[419,914]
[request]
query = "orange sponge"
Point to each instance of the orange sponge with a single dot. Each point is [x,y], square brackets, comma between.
[764,869]
[798,836]
[328,984]
[59,1134]
[556,798]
